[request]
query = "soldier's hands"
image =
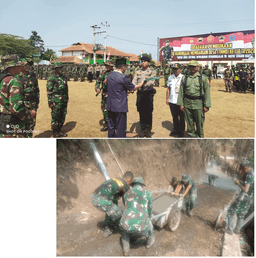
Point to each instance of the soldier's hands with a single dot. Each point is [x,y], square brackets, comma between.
[98,91]
[182,108]
[51,105]
[33,113]
[167,102]
[206,109]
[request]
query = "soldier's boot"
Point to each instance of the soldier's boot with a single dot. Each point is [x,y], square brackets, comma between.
[231,223]
[142,133]
[55,134]
[238,226]
[125,243]
[150,241]
[148,133]
[190,213]
[107,232]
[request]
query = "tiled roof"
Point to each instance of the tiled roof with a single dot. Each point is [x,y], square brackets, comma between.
[89,49]
[134,58]
[69,59]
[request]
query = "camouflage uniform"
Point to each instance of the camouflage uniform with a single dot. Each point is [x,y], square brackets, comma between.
[83,72]
[157,75]
[228,77]
[104,93]
[105,198]
[137,212]
[206,71]
[190,197]
[31,99]
[13,113]
[241,207]
[57,92]
[136,219]
[167,73]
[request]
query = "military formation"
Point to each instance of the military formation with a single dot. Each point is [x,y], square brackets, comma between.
[188,92]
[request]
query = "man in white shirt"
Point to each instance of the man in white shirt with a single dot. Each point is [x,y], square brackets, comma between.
[173,87]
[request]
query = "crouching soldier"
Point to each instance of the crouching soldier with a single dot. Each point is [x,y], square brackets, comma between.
[136,219]
[190,193]
[244,201]
[105,198]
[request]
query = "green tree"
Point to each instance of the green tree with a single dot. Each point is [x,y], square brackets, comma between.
[49,54]
[36,42]
[11,44]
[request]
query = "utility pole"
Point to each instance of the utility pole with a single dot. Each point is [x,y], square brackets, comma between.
[94,47]
[105,49]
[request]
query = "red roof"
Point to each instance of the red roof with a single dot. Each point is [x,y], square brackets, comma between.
[134,58]
[69,59]
[89,49]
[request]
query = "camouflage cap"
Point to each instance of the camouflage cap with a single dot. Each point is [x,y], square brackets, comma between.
[176,66]
[138,180]
[246,163]
[57,65]
[13,60]
[185,178]
[109,63]
[193,63]
[167,41]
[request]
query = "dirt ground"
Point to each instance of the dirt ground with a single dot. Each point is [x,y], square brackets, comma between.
[80,225]
[231,115]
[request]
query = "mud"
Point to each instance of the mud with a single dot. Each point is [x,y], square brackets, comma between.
[231,115]
[80,225]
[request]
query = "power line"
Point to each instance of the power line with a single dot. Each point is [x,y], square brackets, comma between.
[132,41]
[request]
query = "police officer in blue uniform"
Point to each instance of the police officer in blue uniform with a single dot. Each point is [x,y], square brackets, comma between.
[118,85]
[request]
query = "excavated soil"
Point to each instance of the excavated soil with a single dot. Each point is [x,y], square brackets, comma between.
[231,115]
[80,225]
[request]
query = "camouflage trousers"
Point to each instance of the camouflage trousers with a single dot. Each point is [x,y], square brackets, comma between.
[166,77]
[136,227]
[240,208]
[104,108]
[228,84]
[59,111]
[30,125]
[157,82]
[113,212]
[83,75]
[190,199]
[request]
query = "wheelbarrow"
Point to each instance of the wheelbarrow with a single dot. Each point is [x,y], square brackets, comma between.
[166,210]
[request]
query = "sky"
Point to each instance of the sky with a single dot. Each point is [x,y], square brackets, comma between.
[62,23]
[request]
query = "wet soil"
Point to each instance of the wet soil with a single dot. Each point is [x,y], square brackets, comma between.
[80,225]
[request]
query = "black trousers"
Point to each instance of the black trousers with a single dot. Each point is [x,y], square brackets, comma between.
[178,119]
[90,76]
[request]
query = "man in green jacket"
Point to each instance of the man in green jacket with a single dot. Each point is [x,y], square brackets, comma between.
[194,99]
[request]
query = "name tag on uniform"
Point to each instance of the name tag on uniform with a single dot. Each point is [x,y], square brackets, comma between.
[176,89]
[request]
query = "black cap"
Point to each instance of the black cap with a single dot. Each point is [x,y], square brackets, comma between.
[145,58]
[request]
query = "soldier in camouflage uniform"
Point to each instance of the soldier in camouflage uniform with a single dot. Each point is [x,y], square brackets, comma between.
[157,75]
[57,92]
[31,97]
[13,113]
[244,201]
[228,78]
[83,72]
[101,86]
[136,219]
[167,73]
[190,193]
[105,198]
[206,71]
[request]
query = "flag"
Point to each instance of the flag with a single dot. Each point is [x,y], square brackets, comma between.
[142,52]
[108,56]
